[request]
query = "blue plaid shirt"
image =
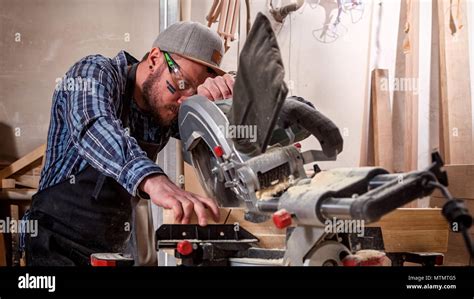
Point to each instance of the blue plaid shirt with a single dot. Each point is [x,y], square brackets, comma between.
[86,129]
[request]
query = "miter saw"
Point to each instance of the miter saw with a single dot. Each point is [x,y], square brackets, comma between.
[265,173]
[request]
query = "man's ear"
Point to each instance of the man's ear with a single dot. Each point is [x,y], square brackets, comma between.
[155,58]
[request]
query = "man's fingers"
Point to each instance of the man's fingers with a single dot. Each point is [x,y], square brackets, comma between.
[223,88]
[202,90]
[173,204]
[229,81]
[205,91]
[200,210]
[214,91]
[217,88]
[211,204]
[188,207]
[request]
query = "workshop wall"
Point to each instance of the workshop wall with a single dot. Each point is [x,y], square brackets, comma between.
[335,74]
[331,73]
[39,44]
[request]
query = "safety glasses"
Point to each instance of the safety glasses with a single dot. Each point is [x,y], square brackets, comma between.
[184,86]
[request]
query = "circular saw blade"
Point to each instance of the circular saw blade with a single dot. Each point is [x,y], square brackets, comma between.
[213,183]
[329,253]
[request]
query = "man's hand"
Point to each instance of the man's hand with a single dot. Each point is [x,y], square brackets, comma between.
[166,194]
[217,88]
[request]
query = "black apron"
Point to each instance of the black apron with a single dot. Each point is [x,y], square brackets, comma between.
[90,214]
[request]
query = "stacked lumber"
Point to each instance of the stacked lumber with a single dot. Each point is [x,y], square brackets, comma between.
[24,172]
[18,180]
[455,115]
[392,141]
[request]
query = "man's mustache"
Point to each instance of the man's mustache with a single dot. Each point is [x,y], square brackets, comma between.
[173,108]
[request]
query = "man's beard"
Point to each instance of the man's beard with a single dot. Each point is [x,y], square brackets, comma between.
[154,102]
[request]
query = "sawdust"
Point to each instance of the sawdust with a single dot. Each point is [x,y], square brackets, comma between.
[272,191]
[368,254]
[325,180]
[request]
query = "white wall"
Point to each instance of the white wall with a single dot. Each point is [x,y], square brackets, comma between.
[55,34]
[336,76]
[331,75]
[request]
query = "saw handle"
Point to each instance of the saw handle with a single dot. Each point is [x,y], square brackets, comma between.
[371,206]
[297,110]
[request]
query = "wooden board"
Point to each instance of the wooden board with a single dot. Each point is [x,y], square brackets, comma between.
[191,181]
[410,136]
[398,124]
[455,86]
[381,120]
[7,183]
[461,181]
[414,230]
[30,181]
[18,165]
[3,257]
[405,100]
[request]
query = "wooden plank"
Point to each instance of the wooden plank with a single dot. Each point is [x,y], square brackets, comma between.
[366,143]
[414,230]
[270,241]
[381,118]
[405,99]
[415,241]
[398,108]
[461,181]
[435,142]
[410,136]
[23,162]
[7,183]
[37,170]
[17,194]
[455,83]
[3,253]
[413,219]
[191,181]
[30,181]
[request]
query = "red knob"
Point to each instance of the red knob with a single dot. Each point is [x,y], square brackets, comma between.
[282,219]
[185,248]
[297,145]
[351,261]
[218,151]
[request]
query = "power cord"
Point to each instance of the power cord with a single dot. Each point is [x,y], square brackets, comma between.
[458,215]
